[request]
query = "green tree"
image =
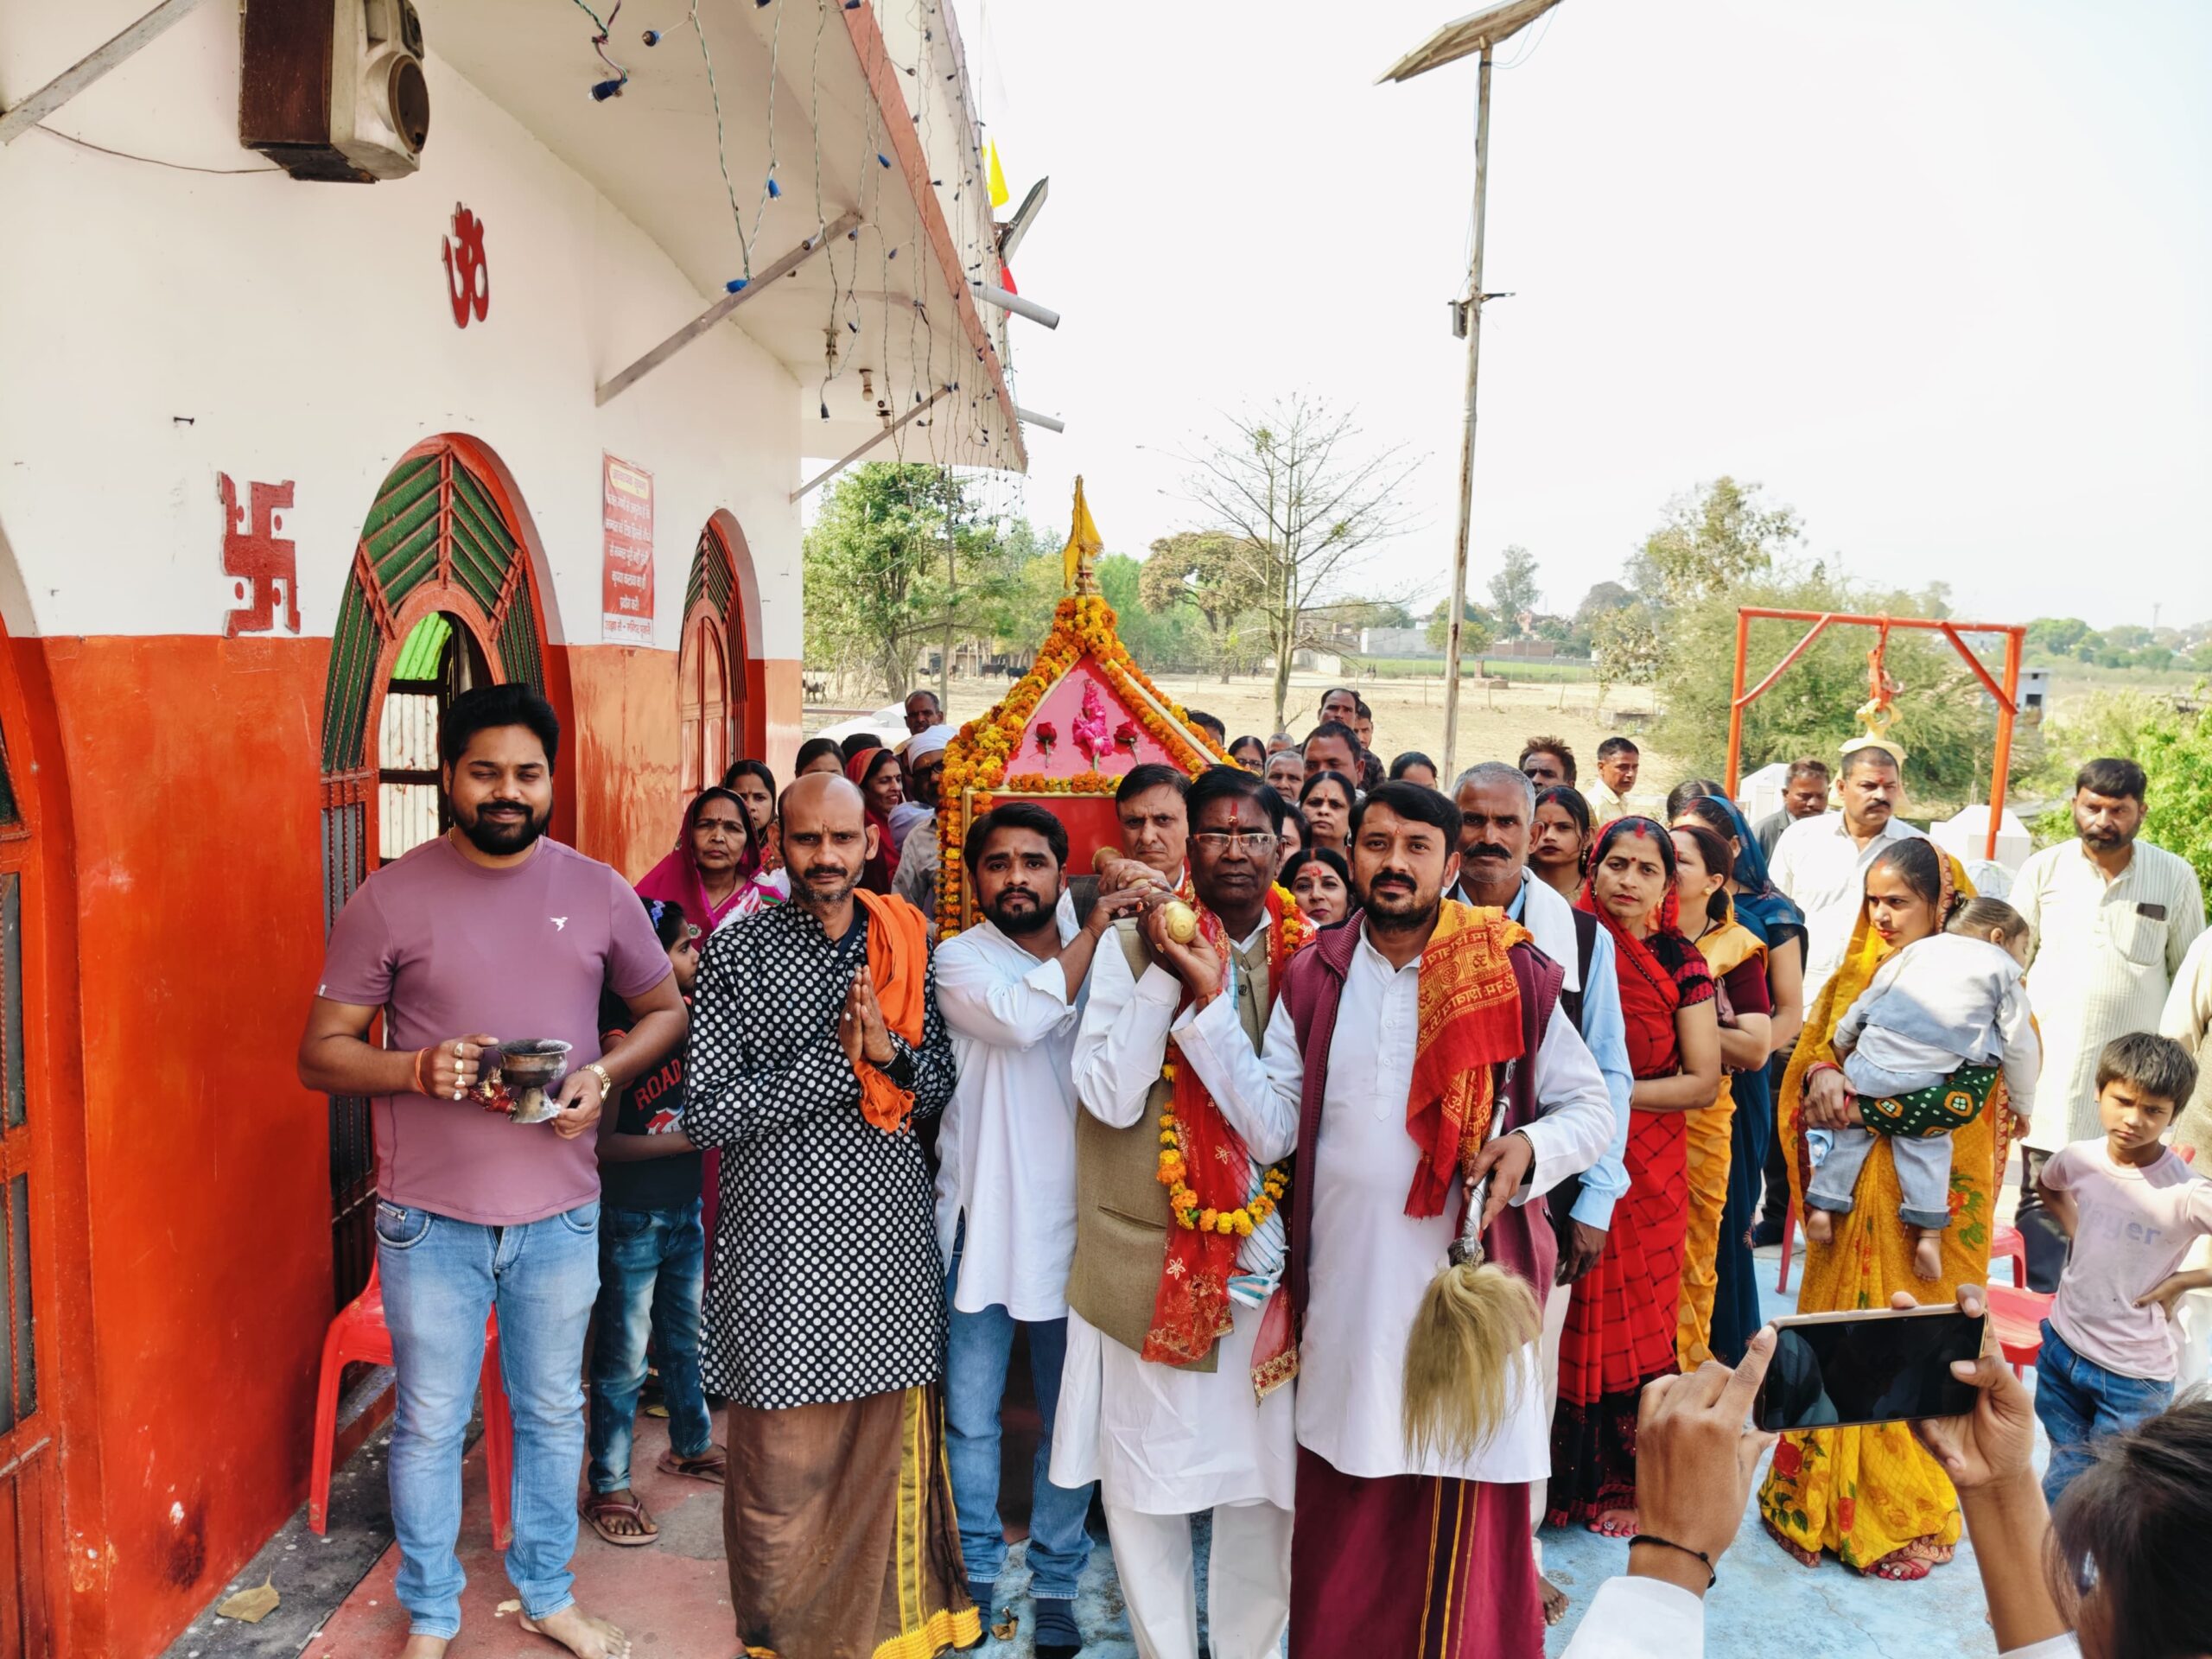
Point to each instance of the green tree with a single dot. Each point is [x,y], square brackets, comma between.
[1624,647]
[1715,536]
[900,559]
[1478,630]
[1605,597]
[1513,586]
[1217,576]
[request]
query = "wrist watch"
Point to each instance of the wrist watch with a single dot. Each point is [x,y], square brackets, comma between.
[605,1082]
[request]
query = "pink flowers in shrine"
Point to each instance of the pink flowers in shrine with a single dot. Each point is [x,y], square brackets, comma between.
[1090,724]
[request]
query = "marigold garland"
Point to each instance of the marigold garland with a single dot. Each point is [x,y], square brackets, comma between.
[1275,1181]
[977,760]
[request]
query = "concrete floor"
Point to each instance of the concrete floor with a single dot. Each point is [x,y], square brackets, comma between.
[673,1596]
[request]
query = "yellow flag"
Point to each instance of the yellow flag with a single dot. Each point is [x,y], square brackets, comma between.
[1082,540]
[999,194]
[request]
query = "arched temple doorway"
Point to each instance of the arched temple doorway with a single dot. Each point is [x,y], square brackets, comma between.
[441,598]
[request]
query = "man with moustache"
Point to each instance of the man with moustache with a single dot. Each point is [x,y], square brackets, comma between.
[2113,918]
[1398,1043]
[489,928]
[1011,990]
[919,858]
[1178,1338]
[1496,805]
[817,1047]
[1155,847]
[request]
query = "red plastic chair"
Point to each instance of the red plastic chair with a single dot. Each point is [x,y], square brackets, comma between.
[2018,1314]
[360,1334]
[2005,1244]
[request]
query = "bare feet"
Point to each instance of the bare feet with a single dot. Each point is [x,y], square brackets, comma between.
[424,1647]
[1819,1226]
[1554,1600]
[1928,1254]
[1615,1523]
[581,1634]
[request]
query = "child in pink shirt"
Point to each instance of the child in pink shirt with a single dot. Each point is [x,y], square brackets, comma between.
[2132,1209]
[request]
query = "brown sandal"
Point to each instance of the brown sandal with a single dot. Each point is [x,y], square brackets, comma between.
[710,1465]
[600,1506]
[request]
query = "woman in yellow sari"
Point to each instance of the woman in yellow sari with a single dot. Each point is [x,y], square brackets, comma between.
[1737,958]
[1872,1496]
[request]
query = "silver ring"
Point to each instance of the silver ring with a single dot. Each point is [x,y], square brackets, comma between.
[456,1048]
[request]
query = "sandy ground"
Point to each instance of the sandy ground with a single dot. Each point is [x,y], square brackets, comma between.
[1410,713]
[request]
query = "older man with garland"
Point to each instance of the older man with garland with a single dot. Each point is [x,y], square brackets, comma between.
[1179,1336]
[817,1047]
[1413,1055]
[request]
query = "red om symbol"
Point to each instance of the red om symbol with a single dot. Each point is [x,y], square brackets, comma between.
[468,277]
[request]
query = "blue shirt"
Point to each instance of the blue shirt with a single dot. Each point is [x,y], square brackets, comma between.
[1606,1033]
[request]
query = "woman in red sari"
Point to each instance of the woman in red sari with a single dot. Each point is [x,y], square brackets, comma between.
[1620,1325]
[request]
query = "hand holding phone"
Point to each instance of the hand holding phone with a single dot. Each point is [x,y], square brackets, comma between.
[1695,1464]
[1836,1371]
[1995,1440]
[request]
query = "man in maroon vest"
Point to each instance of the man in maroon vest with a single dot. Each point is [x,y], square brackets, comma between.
[1397,1037]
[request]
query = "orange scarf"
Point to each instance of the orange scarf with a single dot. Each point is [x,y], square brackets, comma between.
[898,967]
[1470,1021]
[1190,1308]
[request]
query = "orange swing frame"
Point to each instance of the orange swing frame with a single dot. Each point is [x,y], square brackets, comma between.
[2007,694]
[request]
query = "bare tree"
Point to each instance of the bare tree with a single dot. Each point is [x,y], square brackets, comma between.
[1296,480]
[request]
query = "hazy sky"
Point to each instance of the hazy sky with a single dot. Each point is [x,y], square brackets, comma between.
[1934,272]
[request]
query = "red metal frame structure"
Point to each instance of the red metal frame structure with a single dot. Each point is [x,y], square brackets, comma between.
[2007,695]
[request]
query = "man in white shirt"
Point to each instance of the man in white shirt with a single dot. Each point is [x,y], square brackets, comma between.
[2113,918]
[1166,1435]
[1822,862]
[1011,991]
[1497,804]
[1377,1084]
[1612,796]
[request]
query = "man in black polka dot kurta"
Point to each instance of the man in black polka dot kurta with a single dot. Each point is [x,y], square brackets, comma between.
[825,1313]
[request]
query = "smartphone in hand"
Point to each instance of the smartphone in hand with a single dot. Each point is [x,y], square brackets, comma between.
[1835,1371]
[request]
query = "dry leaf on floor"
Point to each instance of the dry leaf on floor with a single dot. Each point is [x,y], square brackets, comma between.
[1005,1632]
[506,1607]
[250,1606]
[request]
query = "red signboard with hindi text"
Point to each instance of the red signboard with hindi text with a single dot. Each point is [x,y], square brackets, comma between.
[626,575]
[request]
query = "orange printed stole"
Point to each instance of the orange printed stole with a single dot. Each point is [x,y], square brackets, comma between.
[898,967]
[1470,1021]
[1191,1310]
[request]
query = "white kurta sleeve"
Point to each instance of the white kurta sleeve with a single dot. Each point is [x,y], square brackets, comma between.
[1259,1094]
[984,1003]
[1574,1126]
[1640,1618]
[1123,1037]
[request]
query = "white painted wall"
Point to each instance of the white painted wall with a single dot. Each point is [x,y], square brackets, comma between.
[158,328]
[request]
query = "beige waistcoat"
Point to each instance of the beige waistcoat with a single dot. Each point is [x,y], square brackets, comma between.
[1122,1220]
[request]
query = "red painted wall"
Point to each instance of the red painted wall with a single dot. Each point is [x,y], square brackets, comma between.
[193,781]
[192,805]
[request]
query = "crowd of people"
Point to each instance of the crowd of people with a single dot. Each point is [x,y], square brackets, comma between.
[1197,1123]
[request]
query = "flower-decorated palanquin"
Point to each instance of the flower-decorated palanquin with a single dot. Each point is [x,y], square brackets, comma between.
[1066,735]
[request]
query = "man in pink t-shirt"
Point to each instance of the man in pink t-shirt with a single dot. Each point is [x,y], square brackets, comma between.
[2132,1209]
[489,933]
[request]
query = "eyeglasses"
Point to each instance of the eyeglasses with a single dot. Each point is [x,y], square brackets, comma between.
[1243,840]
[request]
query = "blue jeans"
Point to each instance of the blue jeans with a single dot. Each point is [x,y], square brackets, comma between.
[979,1347]
[652,1266]
[441,1279]
[2078,1399]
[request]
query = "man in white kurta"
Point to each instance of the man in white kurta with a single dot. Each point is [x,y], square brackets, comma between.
[1165,1443]
[1011,990]
[1371,1262]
